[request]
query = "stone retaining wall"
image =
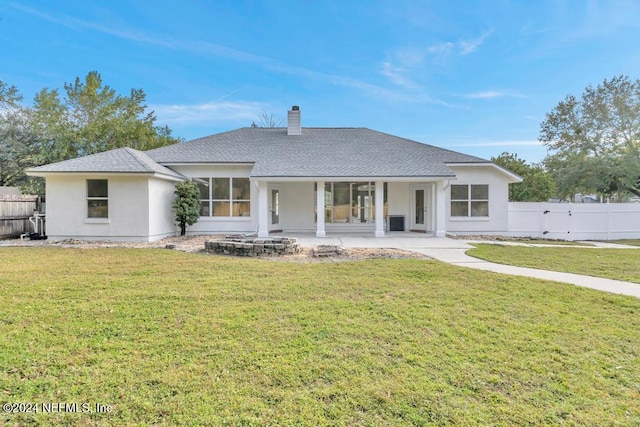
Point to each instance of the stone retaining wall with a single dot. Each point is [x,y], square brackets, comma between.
[242,246]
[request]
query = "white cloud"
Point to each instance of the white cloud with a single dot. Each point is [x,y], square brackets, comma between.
[493,94]
[469,46]
[440,53]
[440,48]
[396,75]
[214,111]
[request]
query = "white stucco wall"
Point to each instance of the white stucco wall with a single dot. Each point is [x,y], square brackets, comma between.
[209,225]
[161,215]
[296,203]
[128,208]
[498,220]
[398,199]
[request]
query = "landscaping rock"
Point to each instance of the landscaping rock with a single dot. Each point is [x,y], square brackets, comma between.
[327,251]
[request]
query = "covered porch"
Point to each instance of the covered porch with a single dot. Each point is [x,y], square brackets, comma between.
[372,207]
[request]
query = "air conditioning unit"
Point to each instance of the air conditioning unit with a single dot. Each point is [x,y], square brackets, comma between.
[395,223]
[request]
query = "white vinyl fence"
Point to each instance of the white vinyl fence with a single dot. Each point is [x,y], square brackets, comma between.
[575,221]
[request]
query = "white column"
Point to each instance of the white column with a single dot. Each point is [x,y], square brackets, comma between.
[263,209]
[440,210]
[379,209]
[320,210]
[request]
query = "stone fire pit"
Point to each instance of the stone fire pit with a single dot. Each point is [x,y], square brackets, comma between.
[244,246]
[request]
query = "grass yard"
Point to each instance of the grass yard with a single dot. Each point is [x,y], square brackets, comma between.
[554,242]
[620,264]
[169,338]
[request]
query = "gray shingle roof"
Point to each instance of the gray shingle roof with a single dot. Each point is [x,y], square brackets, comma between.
[126,160]
[318,152]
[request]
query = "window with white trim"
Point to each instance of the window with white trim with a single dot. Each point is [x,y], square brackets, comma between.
[224,197]
[469,200]
[97,198]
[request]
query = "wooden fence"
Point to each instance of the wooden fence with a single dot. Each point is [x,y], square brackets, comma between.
[15,212]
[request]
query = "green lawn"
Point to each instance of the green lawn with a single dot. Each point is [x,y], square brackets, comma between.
[620,264]
[554,242]
[170,338]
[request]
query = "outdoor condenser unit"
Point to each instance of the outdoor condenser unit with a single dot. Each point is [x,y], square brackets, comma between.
[396,223]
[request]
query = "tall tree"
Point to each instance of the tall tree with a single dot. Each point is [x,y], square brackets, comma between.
[16,137]
[537,185]
[104,120]
[594,140]
[90,118]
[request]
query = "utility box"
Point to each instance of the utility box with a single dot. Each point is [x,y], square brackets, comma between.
[396,223]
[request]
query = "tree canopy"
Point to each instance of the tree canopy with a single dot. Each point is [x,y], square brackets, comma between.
[537,185]
[90,118]
[594,140]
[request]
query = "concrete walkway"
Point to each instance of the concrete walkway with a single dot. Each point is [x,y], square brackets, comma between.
[453,251]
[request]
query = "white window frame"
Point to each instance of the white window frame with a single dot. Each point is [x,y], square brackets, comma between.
[469,200]
[97,198]
[230,200]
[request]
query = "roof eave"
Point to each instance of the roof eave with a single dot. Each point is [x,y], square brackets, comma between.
[44,174]
[315,178]
[205,163]
[514,178]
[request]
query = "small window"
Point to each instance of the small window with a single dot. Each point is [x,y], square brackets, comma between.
[97,198]
[469,200]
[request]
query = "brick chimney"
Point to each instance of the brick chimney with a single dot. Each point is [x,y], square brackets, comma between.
[294,126]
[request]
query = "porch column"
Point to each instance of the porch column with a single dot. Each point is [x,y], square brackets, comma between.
[440,210]
[320,210]
[379,209]
[263,209]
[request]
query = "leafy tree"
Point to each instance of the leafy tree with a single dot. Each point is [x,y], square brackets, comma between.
[594,140]
[103,120]
[186,204]
[16,137]
[537,185]
[89,119]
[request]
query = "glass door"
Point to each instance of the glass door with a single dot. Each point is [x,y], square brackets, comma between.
[275,207]
[419,217]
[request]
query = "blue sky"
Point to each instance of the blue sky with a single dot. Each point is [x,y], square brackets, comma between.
[472,76]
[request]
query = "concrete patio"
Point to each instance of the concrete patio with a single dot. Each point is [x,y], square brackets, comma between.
[453,251]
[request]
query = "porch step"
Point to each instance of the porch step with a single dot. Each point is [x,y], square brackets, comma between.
[327,251]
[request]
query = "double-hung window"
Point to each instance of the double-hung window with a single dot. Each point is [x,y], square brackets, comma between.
[224,197]
[97,198]
[469,200]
